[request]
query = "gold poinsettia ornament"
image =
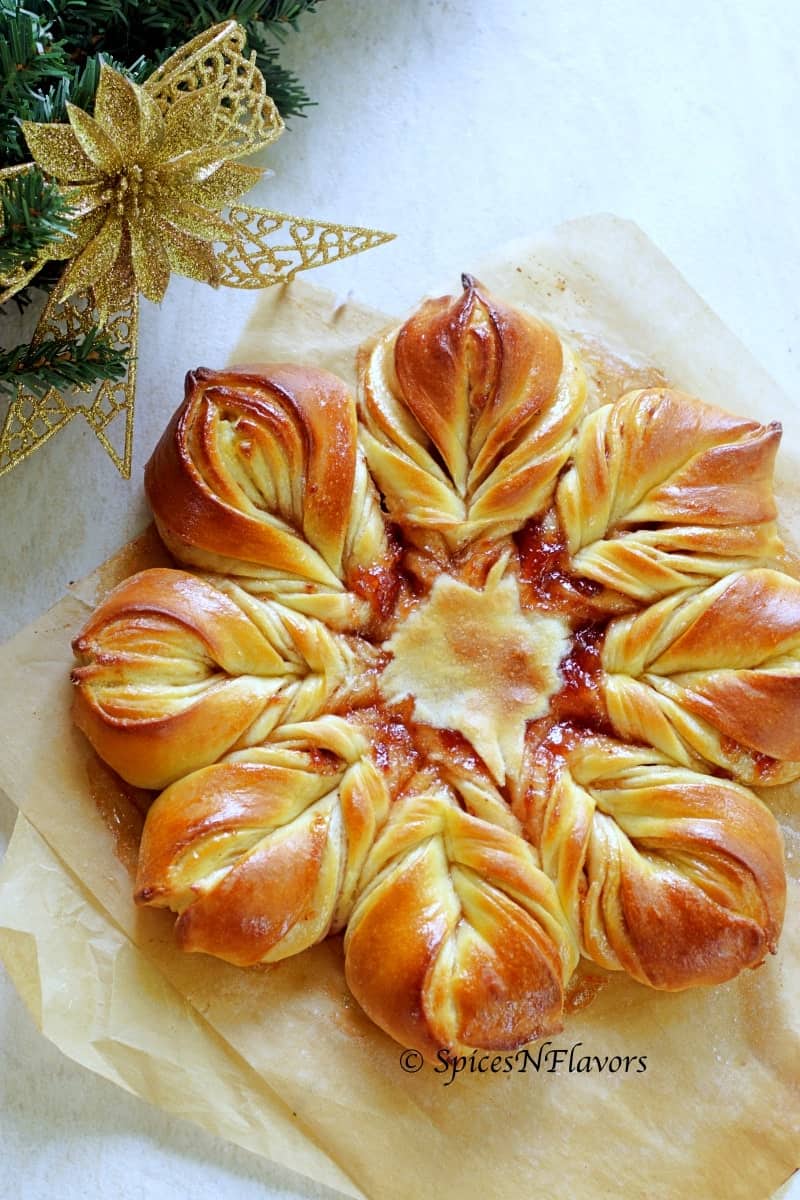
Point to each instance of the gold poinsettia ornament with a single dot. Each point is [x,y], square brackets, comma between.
[145,189]
[152,181]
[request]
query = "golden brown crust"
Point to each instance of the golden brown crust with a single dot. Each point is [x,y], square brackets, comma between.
[672,876]
[713,676]
[467,412]
[259,475]
[177,670]
[457,938]
[260,855]
[665,492]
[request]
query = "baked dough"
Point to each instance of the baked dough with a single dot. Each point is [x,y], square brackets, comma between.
[670,875]
[259,476]
[463,668]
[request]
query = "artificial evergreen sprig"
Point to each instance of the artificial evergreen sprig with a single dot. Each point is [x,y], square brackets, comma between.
[31,63]
[61,363]
[33,214]
[40,73]
[128,30]
[80,86]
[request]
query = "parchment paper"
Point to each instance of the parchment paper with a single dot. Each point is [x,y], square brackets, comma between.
[280,1059]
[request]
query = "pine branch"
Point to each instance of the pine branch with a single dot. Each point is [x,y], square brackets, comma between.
[80,87]
[33,214]
[152,31]
[61,363]
[29,56]
[31,62]
[50,107]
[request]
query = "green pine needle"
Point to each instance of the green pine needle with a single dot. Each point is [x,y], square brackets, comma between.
[31,62]
[61,363]
[33,214]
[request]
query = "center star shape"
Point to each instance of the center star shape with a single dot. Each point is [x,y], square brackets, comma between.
[474,661]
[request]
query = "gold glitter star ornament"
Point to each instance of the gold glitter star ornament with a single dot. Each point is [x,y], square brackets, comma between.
[147,178]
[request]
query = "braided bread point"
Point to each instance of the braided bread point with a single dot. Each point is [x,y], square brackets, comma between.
[260,854]
[675,877]
[259,476]
[665,492]
[713,676]
[177,670]
[456,939]
[467,413]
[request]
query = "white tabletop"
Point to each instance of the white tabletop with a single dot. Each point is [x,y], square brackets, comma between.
[458,126]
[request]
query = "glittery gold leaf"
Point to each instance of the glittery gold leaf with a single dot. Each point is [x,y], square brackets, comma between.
[143,171]
[249,118]
[271,247]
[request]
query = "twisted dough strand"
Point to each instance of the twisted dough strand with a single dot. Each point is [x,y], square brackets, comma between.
[178,669]
[259,476]
[456,938]
[467,412]
[713,676]
[666,492]
[675,877]
[261,853]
